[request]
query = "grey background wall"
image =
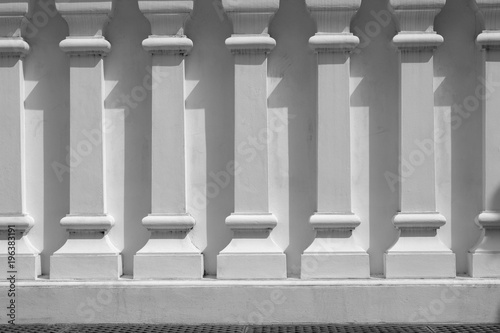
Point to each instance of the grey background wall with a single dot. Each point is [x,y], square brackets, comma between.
[210,130]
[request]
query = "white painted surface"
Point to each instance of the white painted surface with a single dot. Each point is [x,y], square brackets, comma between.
[260,302]
[252,252]
[418,252]
[88,252]
[292,158]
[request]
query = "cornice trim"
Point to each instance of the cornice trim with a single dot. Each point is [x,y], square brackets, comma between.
[10,47]
[404,41]
[88,222]
[75,46]
[488,39]
[168,45]
[170,222]
[250,44]
[240,221]
[419,220]
[333,42]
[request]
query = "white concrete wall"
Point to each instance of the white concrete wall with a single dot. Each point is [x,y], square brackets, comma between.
[210,129]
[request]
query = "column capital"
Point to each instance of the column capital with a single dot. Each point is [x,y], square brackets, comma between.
[415,23]
[86,21]
[167,18]
[250,17]
[490,11]
[333,16]
[13,15]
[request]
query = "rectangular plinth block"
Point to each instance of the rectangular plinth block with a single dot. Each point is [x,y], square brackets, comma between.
[419,265]
[335,266]
[168,266]
[251,266]
[482,265]
[79,267]
[26,267]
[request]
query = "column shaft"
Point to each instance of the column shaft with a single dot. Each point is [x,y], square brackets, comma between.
[88,252]
[484,257]
[418,252]
[169,253]
[334,253]
[252,253]
[15,222]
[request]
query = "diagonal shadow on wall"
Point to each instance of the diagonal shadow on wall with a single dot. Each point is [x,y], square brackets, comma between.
[210,129]
[47,122]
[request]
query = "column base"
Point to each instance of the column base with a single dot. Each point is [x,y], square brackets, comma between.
[484,257]
[168,266]
[27,267]
[252,253]
[251,266]
[88,253]
[169,252]
[418,252]
[85,266]
[419,265]
[26,263]
[335,266]
[334,252]
[484,265]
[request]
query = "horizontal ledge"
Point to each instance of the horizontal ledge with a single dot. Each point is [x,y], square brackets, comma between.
[488,39]
[21,222]
[85,45]
[251,221]
[168,45]
[13,47]
[333,42]
[419,220]
[209,281]
[166,7]
[70,7]
[250,43]
[338,5]
[254,6]
[489,220]
[88,222]
[334,221]
[417,40]
[168,222]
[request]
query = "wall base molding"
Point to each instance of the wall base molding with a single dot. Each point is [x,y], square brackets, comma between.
[374,300]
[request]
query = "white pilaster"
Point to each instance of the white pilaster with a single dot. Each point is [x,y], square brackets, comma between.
[252,253]
[169,253]
[88,253]
[334,252]
[484,257]
[26,259]
[418,252]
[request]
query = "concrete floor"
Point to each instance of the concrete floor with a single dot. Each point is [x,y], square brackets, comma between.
[382,328]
